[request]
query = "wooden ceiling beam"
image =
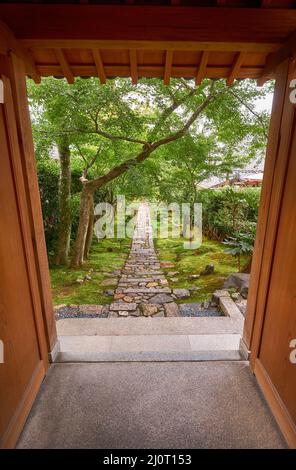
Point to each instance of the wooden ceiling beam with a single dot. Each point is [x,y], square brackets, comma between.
[288,50]
[202,69]
[67,72]
[9,42]
[133,65]
[250,47]
[99,65]
[235,68]
[112,70]
[148,22]
[168,67]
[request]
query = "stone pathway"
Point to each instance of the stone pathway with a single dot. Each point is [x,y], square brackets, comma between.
[143,288]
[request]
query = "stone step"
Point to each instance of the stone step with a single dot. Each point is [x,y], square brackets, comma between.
[143,278]
[122,306]
[147,290]
[145,273]
[149,325]
[148,356]
[150,347]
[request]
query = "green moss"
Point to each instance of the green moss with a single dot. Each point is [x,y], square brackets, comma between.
[105,257]
[189,262]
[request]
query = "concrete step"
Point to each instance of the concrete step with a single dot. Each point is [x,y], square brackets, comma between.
[149,348]
[150,326]
[148,356]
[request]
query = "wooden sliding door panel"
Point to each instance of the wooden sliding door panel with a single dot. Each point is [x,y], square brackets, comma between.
[280,317]
[20,328]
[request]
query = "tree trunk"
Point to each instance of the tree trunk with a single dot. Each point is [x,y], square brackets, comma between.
[84,216]
[90,229]
[64,229]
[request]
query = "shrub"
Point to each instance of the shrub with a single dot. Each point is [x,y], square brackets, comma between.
[228,211]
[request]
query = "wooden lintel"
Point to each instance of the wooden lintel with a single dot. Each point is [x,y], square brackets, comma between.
[133,65]
[249,47]
[148,22]
[168,67]
[235,68]
[288,50]
[202,67]
[123,70]
[99,65]
[60,55]
[9,43]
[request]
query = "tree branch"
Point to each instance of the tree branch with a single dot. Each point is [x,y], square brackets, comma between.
[149,148]
[112,137]
[257,115]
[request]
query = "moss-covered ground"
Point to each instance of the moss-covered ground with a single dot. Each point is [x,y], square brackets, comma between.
[106,256]
[110,254]
[190,262]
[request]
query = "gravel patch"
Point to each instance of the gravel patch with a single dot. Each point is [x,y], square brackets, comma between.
[81,312]
[196,310]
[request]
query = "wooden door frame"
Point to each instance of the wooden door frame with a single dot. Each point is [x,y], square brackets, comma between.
[274,177]
[23,170]
[23,122]
[31,181]
[269,213]
[275,173]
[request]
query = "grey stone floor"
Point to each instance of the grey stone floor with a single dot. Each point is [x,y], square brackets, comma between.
[150,405]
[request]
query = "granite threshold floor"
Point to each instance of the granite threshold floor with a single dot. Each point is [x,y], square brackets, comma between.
[149,339]
[150,405]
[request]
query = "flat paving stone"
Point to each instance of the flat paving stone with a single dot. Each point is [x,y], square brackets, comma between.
[161,299]
[181,293]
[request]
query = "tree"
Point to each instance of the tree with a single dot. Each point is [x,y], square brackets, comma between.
[50,111]
[147,147]
[210,125]
[64,230]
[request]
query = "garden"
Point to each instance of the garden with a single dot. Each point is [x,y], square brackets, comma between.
[151,143]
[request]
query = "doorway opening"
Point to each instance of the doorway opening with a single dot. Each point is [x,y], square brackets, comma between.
[150,198]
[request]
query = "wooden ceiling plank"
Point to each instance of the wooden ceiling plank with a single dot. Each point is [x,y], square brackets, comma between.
[9,42]
[99,65]
[235,68]
[168,67]
[133,66]
[61,57]
[202,69]
[288,50]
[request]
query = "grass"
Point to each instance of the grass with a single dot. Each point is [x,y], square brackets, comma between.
[106,256]
[188,262]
